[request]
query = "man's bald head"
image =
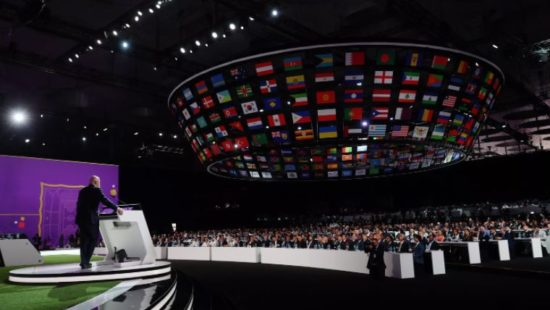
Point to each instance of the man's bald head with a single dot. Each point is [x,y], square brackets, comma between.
[95,181]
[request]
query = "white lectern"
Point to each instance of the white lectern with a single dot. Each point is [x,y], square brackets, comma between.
[127,232]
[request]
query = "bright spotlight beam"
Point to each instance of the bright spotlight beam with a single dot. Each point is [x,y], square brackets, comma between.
[19,117]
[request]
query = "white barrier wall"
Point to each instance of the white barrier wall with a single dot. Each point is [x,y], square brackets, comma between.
[162,252]
[243,255]
[323,259]
[189,253]
[399,265]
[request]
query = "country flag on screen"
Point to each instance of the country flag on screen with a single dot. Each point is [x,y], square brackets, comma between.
[379,113]
[347,149]
[402,114]
[434,80]
[242,142]
[381,95]
[352,130]
[238,73]
[355,58]
[440,62]
[217,80]
[268,86]
[271,104]
[489,77]
[326,60]
[399,131]
[362,148]
[385,57]
[279,136]
[186,114]
[353,76]
[300,99]
[328,132]
[223,96]
[326,115]
[230,112]
[215,118]
[407,96]
[215,149]
[410,78]
[201,122]
[429,98]
[221,131]
[201,87]
[207,102]
[449,101]
[195,108]
[244,91]
[469,124]
[237,126]
[420,132]
[438,132]
[455,83]
[463,67]
[425,115]
[347,157]
[254,123]
[482,93]
[413,59]
[303,134]
[187,94]
[377,130]
[325,97]
[496,84]
[264,68]
[471,88]
[353,114]
[458,120]
[209,137]
[477,73]
[444,117]
[321,77]
[259,139]
[276,120]
[353,95]
[249,107]
[295,82]
[292,63]
[383,77]
[301,117]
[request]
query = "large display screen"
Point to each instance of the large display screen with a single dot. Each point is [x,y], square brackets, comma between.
[338,111]
[38,196]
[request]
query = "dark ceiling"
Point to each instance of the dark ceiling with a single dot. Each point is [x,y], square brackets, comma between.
[125,90]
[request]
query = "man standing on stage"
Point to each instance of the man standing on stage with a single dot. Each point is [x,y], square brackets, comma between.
[87,218]
[376,264]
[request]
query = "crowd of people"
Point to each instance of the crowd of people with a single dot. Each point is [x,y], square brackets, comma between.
[354,232]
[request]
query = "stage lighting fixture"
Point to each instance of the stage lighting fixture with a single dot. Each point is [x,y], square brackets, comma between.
[214,35]
[494,46]
[115,33]
[155,68]
[27,140]
[197,43]
[182,50]
[125,45]
[251,18]
[70,59]
[105,129]
[83,139]
[139,13]
[232,26]
[205,44]
[91,48]
[274,12]
[161,134]
[98,41]
[175,136]
[190,51]
[127,25]
[97,134]
[41,115]
[151,11]
[136,133]
[76,56]
[43,143]
[157,6]
[242,27]
[224,36]
[19,117]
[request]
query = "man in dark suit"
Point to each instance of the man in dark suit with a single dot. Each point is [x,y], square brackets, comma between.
[87,218]
[404,245]
[376,264]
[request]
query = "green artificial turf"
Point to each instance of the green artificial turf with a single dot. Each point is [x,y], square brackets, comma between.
[48,296]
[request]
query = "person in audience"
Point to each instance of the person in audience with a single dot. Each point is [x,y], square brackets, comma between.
[404,245]
[432,243]
[376,264]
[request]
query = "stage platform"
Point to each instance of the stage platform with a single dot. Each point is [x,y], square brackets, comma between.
[71,273]
[519,266]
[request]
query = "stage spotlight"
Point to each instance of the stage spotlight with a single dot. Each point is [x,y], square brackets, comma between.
[151,11]
[136,19]
[251,18]
[83,139]
[161,134]
[197,43]
[232,26]
[158,5]
[27,140]
[190,51]
[182,50]
[19,117]
[242,27]
[224,36]
[43,143]
[364,123]
[136,133]
[495,46]
[127,25]
[214,34]
[125,45]
[70,59]
[205,44]
[91,48]
[41,115]
[175,136]
[139,13]
[98,41]
[274,12]
[76,56]
[155,68]
[115,33]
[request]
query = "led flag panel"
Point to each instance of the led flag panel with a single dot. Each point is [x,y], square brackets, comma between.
[337,111]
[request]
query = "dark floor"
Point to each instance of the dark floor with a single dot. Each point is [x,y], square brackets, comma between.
[256,286]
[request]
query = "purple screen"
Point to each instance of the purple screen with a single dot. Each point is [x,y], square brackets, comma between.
[39,195]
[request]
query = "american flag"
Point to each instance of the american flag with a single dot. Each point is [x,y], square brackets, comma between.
[400,131]
[449,101]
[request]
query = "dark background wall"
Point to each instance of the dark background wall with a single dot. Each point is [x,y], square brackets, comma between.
[190,198]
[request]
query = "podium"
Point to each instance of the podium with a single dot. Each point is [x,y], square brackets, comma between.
[128,232]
